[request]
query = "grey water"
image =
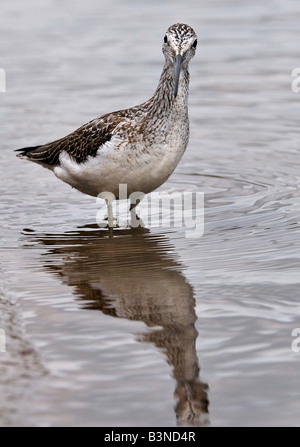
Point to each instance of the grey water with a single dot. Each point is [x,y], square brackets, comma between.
[151,328]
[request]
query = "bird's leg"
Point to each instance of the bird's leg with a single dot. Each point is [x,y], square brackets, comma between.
[136,221]
[133,205]
[132,209]
[110,213]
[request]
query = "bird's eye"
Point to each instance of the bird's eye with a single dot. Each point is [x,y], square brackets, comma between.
[195,44]
[165,39]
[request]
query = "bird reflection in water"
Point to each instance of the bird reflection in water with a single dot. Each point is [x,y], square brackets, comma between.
[136,275]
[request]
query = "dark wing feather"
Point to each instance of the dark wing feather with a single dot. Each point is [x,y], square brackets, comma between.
[81,144]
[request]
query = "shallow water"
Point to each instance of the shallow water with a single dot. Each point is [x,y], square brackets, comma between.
[186,331]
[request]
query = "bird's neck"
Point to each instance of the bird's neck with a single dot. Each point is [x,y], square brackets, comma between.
[164,100]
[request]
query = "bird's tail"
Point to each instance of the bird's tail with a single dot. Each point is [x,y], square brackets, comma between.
[26,151]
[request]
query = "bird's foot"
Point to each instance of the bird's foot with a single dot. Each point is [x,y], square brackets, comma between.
[111,223]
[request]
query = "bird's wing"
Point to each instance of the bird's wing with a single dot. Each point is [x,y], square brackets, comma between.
[84,142]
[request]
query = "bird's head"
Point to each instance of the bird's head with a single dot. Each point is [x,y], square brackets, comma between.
[179,47]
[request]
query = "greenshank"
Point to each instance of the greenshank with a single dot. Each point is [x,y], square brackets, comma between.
[139,147]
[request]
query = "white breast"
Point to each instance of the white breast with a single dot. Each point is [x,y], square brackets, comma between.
[142,166]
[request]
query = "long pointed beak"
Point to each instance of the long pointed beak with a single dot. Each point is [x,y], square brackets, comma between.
[177,69]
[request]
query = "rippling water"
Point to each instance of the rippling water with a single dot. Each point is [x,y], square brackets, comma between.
[148,327]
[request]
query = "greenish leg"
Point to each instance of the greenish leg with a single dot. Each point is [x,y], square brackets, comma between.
[110,213]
